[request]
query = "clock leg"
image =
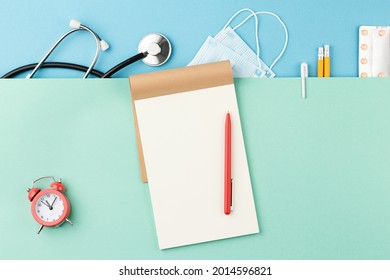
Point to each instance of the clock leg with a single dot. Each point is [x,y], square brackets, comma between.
[39,231]
[69,221]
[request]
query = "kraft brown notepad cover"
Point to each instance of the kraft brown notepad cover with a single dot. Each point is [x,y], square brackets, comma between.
[175,81]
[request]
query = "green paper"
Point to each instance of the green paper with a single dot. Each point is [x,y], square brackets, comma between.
[319,169]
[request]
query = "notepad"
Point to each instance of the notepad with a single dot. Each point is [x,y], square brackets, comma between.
[182,135]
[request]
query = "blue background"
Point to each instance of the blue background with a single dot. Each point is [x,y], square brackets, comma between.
[29,28]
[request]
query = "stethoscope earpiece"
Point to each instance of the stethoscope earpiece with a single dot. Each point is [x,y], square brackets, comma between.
[75,24]
[104,45]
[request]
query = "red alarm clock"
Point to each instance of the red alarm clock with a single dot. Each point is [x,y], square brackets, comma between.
[49,207]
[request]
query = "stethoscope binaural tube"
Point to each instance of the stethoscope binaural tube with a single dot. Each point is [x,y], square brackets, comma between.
[101,45]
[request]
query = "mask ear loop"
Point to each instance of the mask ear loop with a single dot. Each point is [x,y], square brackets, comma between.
[236,14]
[253,14]
[257,38]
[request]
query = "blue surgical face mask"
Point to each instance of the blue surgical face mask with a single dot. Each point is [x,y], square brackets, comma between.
[212,50]
[245,62]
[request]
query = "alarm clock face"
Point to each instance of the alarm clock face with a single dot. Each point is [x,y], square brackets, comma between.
[50,208]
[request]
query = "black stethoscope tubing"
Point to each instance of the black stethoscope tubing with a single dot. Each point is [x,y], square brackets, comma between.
[77,67]
[154,49]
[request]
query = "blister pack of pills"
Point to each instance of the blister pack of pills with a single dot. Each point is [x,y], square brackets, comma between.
[374,51]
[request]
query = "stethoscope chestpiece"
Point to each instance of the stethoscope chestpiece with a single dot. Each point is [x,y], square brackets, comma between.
[157,47]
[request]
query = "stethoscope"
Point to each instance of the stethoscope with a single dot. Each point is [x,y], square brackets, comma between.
[154,50]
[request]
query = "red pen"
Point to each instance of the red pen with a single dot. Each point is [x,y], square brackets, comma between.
[228,165]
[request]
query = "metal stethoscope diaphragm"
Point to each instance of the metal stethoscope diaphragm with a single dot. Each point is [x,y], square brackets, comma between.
[154,50]
[157,47]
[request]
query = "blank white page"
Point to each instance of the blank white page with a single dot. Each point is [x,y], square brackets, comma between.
[183,138]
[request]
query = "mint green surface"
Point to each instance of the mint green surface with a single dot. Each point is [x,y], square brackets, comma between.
[319,168]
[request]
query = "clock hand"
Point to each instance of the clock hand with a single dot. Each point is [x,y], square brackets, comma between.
[51,206]
[47,204]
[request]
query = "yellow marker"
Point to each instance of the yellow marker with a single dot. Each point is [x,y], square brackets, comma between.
[326,61]
[320,64]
